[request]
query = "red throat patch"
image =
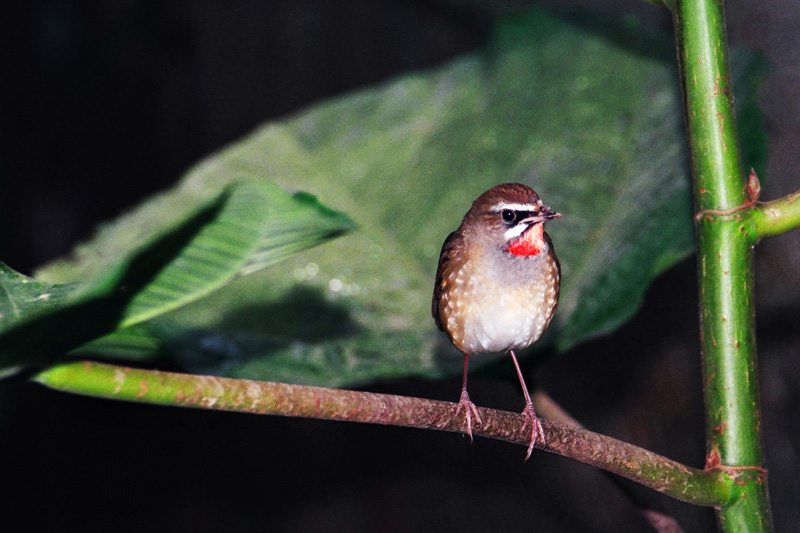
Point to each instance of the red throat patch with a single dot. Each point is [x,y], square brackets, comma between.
[530,243]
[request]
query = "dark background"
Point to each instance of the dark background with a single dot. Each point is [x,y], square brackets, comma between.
[104,103]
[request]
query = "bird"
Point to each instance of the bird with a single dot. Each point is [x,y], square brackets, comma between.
[497,285]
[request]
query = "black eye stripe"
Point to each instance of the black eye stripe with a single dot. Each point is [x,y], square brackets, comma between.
[511,216]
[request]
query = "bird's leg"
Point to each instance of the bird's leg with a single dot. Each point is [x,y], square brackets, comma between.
[529,413]
[464,404]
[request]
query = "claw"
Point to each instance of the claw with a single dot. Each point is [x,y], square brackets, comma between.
[536,427]
[529,413]
[464,404]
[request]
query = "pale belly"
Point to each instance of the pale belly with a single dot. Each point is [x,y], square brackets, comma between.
[506,310]
[503,321]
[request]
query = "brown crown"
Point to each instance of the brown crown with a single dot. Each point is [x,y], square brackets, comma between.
[507,192]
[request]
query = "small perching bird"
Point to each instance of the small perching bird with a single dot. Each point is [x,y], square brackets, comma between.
[497,284]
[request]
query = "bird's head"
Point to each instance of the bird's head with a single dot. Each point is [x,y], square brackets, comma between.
[511,216]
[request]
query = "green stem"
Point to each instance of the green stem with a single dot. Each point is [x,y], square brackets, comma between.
[711,487]
[733,423]
[780,216]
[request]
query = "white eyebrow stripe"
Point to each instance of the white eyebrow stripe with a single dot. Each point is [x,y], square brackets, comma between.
[515,231]
[516,207]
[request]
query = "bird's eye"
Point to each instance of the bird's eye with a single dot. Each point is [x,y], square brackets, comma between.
[508,215]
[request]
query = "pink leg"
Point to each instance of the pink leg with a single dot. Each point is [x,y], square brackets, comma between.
[529,413]
[464,404]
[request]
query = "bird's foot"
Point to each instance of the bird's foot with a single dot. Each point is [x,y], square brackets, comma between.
[466,405]
[536,427]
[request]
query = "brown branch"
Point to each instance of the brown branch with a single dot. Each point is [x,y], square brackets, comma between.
[711,487]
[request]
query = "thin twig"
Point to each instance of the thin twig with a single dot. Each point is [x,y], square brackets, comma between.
[651,511]
[778,216]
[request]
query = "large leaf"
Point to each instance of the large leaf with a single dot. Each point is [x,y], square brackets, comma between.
[143,270]
[590,117]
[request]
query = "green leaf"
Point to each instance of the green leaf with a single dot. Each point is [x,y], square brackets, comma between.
[22,296]
[590,116]
[245,228]
[258,226]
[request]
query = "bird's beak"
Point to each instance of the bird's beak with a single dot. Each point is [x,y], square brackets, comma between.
[545,213]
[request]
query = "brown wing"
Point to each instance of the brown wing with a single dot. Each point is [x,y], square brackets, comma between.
[558,266]
[452,243]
